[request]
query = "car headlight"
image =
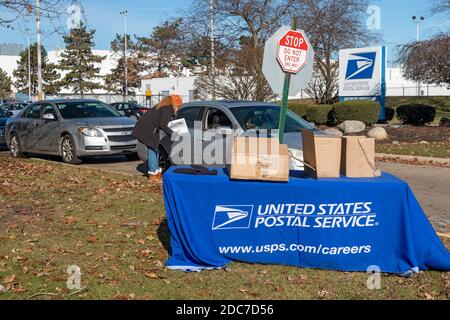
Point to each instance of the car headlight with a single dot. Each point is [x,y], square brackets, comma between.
[90,132]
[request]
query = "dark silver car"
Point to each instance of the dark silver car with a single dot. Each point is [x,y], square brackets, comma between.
[223,119]
[72,129]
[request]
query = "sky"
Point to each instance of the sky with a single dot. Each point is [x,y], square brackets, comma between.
[397,26]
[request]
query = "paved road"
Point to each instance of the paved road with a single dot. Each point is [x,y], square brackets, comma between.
[431,185]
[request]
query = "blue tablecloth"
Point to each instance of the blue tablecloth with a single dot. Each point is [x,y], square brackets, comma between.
[345,224]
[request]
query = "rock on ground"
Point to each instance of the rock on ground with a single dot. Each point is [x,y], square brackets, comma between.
[333,131]
[378,133]
[352,126]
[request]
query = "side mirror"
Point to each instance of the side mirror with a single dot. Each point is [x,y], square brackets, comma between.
[49,116]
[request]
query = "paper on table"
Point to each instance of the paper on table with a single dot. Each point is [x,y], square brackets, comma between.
[179,126]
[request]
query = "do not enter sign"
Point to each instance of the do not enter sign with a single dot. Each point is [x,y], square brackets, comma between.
[292,51]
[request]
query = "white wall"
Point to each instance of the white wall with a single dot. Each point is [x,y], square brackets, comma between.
[173,85]
[9,63]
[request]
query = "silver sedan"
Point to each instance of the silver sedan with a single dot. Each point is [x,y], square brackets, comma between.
[72,129]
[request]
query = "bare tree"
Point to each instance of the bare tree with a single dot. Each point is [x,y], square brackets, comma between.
[427,61]
[332,25]
[242,28]
[441,7]
[12,10]
[238,75]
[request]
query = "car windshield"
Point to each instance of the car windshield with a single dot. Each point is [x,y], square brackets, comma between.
[86,109]
[267,117]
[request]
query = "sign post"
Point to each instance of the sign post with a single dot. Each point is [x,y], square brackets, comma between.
[287,65]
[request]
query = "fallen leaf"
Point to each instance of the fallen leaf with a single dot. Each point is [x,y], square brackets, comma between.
[151,275]
[70,220]
[92,239]
[9,279]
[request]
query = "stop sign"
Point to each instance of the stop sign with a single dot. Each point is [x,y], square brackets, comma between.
[292,51]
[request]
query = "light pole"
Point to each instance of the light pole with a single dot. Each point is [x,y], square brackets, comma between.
[418,21]
[38,40]
[213,62]
[29,64]
[124,13]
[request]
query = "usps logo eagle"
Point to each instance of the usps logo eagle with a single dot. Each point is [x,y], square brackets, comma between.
[360,66]
[232,217]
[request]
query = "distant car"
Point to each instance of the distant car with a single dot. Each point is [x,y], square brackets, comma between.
[129,109]
[13,108]
[73,129]
[245,118]
[3,120]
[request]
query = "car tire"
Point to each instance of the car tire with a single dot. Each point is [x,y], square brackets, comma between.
[132,157]
[15,147]
[163,161]
[68,150]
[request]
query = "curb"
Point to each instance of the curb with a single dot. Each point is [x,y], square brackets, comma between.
[442,162]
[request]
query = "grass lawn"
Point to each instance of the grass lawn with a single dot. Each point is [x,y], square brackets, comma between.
[433,149]
[113,227]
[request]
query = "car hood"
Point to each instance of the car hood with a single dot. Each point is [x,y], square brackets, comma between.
[100,122]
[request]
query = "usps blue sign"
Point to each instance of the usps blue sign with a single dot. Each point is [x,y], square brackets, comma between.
[232,217]
[360,66]
[362,74]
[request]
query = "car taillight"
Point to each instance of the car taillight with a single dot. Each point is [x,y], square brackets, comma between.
[143,110]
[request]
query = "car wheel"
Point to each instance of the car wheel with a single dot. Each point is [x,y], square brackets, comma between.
[132,157]
[164,161]
[15,147]
[68,151]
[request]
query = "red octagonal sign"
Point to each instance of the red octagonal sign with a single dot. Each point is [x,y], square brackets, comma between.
[292,51]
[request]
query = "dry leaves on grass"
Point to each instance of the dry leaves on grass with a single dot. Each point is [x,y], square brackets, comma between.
[92,239]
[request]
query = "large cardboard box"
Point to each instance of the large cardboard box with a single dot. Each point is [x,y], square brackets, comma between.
[358,157]
[323,153]
[255,158]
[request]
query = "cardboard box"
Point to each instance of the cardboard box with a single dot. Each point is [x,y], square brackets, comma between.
[358,157]
[255,158]
[323,153]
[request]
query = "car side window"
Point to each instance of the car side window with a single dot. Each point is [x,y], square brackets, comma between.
[190,115]
[33,111]
[217,118]
[48,109]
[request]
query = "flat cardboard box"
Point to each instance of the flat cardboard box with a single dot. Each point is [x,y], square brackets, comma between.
[323,153]
[357,163]
[255,158]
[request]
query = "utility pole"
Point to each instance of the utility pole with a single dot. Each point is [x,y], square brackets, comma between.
[418,21]
[124,14]
[27,30]
[213,62]
[38,40]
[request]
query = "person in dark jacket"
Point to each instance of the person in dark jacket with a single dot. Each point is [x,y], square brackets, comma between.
[150,124]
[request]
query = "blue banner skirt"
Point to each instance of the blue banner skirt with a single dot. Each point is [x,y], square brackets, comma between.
[348,224]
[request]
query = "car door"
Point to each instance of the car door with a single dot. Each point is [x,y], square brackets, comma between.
[217,133]
[185,151]
[25,127]
[46,133]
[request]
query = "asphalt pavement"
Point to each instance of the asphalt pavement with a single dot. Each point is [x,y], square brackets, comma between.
[430,184]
